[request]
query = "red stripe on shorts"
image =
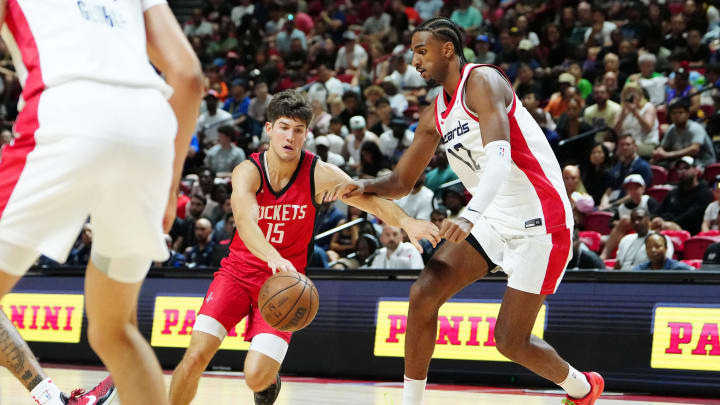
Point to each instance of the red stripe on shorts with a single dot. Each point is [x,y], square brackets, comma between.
[14,157]
[561,241]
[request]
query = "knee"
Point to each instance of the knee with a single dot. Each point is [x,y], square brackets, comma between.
[195,362]
[103,338]
[258,379]
[510,344]
[426,293]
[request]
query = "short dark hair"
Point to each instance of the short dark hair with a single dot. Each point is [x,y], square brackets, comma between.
[661,236]
[199,197]
[679,103]
[227,130]
[291,104]
[444,29]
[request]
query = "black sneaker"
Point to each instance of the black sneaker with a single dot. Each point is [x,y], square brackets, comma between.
[269,394]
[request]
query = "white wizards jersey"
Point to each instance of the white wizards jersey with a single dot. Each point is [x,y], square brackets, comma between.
[56,41]
[533,199]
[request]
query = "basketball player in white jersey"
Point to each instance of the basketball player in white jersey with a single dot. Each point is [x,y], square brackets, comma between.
[96,137]
[519,217]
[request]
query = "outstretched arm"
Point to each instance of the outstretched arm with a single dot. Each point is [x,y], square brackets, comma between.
[328,177]
[246,181]
[402,179]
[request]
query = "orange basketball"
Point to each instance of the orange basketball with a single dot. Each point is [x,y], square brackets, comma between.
[288,301]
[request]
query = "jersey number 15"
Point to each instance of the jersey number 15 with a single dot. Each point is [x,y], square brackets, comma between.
[275,234]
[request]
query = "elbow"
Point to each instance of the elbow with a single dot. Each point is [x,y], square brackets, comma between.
[187,76]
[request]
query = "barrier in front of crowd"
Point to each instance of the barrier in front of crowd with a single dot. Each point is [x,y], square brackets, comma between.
[645,331]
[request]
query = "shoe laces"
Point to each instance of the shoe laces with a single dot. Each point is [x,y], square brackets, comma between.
[77,393]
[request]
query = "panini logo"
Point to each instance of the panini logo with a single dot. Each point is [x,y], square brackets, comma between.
[45,317]
[466,330]
[686,338]
[460,130]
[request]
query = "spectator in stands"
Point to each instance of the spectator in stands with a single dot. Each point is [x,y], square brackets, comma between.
[634,186]
[656,247]
[681,89]
[566,91]
[343,242]
[239,102]
[338,128]
[604,113]
[285,37]
[540,116]
[385,114]
[582,256]
[650,80]
[225,228]
[223,157]
[258,106]
[441,172]
[398,101]
[453,198]
[676,38]
[418,204]
[213,118]
[405,77]
[582,203]
[684,206]
[468,17]
[351,56]
[372,161]
[80,252]
[197,25]
[639,119]
[378,24]
[525,81]
[198,255]
[353,107]
[570,123]
[395,253]
[628,163]
[394,142]
[712,254]
[684,138]
[320,122]
[710,219]
[246,7]
[428,9]
[183,231]
[328,217]
[326,87]
[600,30]
[699,53]
[532,103]
[354,141]
[631,250]
[483,54]
[322,148]
[175,258]
[596,171]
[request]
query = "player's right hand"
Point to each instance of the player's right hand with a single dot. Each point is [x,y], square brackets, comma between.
[346,190]
[277,263]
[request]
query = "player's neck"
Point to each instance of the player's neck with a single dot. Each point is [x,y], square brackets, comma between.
[453,76]
[279,169]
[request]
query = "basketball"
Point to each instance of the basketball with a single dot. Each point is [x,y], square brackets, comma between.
[288,301]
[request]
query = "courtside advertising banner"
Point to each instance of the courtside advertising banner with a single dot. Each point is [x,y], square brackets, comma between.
[174,318]
[686,337]
[45,317]
[466,329]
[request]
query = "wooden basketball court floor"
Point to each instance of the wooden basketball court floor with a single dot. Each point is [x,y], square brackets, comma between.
[229,389]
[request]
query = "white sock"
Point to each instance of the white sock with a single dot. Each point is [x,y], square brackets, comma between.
[47,393]
[576,384]
[413,391]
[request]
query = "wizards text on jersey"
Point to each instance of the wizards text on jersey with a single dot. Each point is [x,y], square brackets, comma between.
[460,130]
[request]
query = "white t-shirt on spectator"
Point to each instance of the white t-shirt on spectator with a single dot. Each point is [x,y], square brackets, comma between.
[417,205]
[388,142]
[335,159]
[631,250]
[337,144]
[354,151]
[428,9]
[711,212]
[238,12]
[655,86]
[410,79]
[398,103]
[321,91]
[607,29]
[359,56]
[404,257]
[211,123]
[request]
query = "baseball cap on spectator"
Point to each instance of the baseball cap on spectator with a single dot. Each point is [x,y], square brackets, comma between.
[349,36]
[212,93]
[687,160]
[357,122]
[634,179]
[566,78]
[482,38]
[322,141]
[525,45]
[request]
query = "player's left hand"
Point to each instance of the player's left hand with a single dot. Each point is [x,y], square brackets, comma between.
[455,230]
[417,229]
[170,212]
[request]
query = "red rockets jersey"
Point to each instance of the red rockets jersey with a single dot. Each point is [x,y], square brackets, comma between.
[286,217]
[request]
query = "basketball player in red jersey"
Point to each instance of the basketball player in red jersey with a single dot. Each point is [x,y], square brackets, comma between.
[275,200]
[519,217]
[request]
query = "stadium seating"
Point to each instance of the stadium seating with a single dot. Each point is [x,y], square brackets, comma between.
[598,221]
[660,175]
[694,248]
[678,238]
[592,239]
[659,192]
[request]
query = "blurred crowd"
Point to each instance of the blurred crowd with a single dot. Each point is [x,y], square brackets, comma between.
[625,91]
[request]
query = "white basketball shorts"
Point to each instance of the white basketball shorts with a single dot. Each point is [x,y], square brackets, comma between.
[534,263]
[89,149]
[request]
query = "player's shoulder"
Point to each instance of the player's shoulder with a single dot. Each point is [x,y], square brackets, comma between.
[247,172]
[426,121]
